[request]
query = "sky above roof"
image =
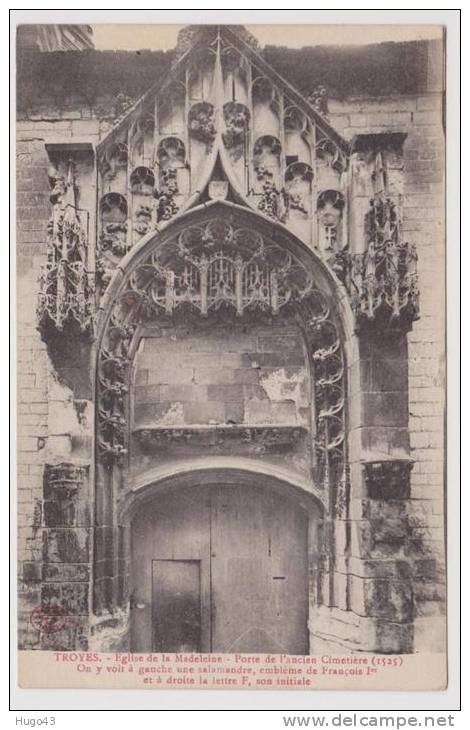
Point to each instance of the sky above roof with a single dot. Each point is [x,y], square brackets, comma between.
[163,37]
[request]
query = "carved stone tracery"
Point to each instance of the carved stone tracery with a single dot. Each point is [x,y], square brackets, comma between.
[218,95]
[382,282]
[66,292]
[206,268]
[329,394]
[217,267]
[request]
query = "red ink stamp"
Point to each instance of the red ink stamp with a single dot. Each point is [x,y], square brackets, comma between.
[48,618]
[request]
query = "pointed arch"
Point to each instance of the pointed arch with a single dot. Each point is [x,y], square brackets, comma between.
[295,279]
[324,277]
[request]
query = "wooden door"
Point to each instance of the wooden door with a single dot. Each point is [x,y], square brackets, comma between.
[173,527]
[259,572]
[221,568]
[176,605]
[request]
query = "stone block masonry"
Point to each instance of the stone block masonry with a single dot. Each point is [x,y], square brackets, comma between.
[224,376]
[423,223]
[53,544]
[253,383]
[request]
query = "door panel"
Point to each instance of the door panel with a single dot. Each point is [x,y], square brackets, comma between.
[239,552]
[259,572]
[174,526]
[176,605]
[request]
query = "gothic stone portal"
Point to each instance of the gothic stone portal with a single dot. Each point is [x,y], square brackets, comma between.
[223,210]
[220,568]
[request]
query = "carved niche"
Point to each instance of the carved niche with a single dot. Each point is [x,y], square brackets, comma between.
[112,242]
[299,177]
[201,123]
[330,206]
[142,182]
[267,166]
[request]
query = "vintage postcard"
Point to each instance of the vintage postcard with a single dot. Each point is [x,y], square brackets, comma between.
[231,357]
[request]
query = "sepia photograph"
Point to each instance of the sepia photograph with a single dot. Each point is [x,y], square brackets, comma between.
[231,261]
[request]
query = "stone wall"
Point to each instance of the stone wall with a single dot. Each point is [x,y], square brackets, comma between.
[423,548]
[54,547]
[33,373]
[243,378]
[226,374]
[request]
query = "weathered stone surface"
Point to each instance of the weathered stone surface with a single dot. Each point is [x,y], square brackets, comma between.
[393,638]
[74,636]
[66,572]
[397,569]
[388,479]
[60,514]
[380,598]
[383,538]
[110,633]
[66,545]
[213,385]
[31,572]
[71,597]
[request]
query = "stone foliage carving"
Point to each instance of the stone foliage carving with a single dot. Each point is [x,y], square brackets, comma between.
[272,201]
[66,287]
[113,373]
[329,394]
[262,437]
[383,281]
[266,157]
[166,205]
[319,100]
[201,123]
